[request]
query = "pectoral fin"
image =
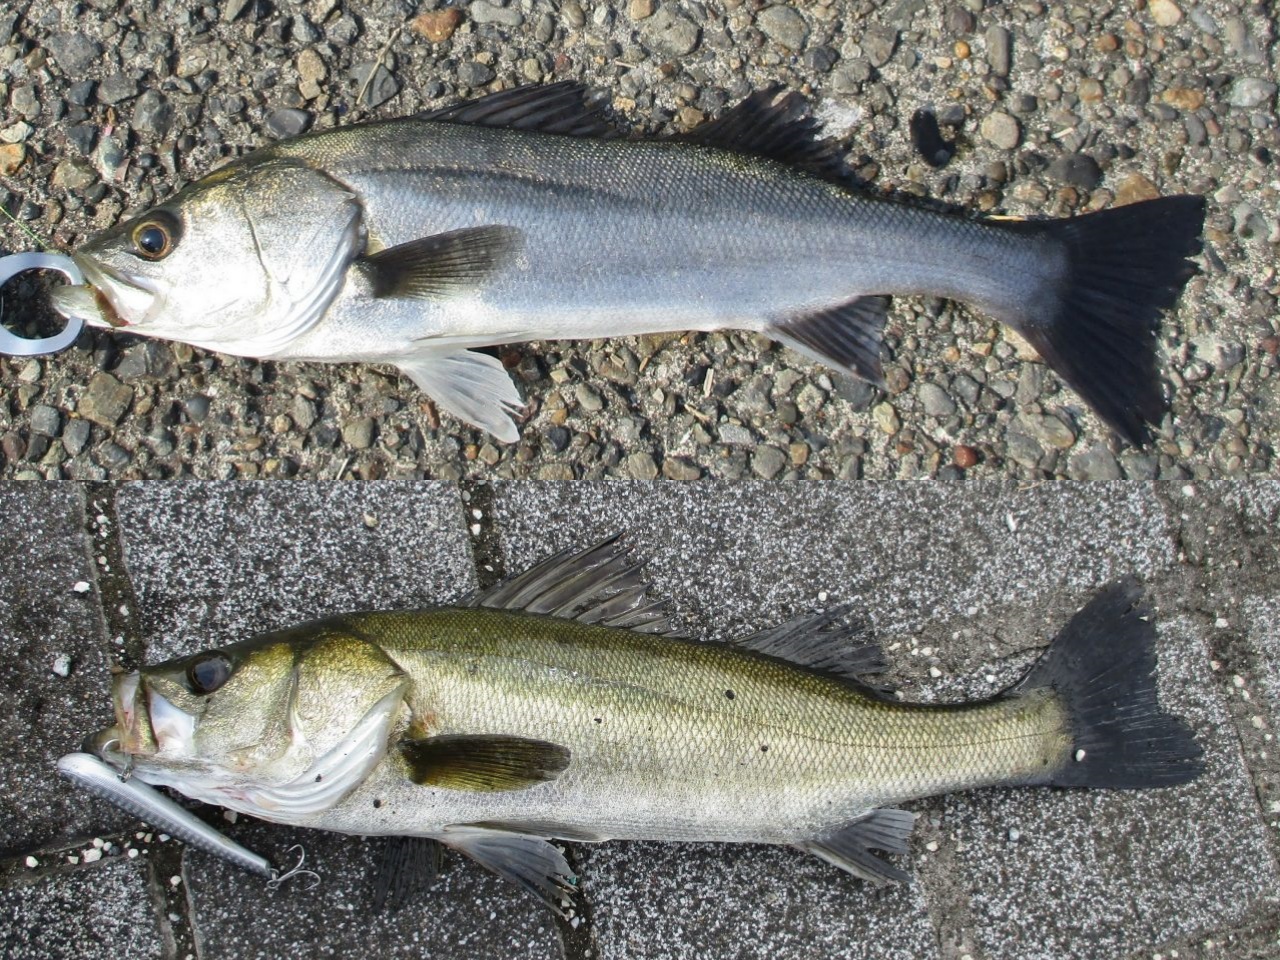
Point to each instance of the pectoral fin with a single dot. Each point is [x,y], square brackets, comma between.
[484,763]
[849,848]
[472,386]
[439,265]
[531,862]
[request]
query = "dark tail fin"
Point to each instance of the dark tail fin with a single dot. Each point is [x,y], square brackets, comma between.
[1103,667]
[1124,266]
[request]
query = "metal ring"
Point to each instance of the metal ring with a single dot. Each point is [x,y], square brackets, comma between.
[11,266]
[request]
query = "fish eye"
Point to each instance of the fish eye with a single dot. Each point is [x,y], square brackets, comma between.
[154,238]
[208,672]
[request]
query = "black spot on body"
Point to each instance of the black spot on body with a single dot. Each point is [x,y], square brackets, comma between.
[730,694]
[377,804]
[764,748]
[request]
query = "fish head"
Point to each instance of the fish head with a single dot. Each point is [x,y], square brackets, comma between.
[298,716]
[241,261]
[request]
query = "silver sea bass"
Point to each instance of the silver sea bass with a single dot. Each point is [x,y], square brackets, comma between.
[517,217]
[561,705]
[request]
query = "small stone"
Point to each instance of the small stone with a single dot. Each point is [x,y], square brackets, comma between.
[768,462]
[24,101]
[959,20]
[81,586]
[12,156]
[152,114]
[886,418]
[784,26]
[1077,169]
[74,173]
[641,466]
[46,420]
[935,400]
[117,88]
[965,457]
[61,665]
[1001,130]
[878,43]
[231,9]
[1251,92]
[377,81]
[1048,430]
[1134,188]
[74,53]
[1095,463]
[437,25]
[287,122]
[640,9]
[998,50]
[75,435]
[484,12]
[1165,13]
[105,401]
[674,468]
[311,66]
[1184,98]
[359,433]
[197,407]
[303,412]
[670,34]
[1090,90]
[587,398]
[473,74]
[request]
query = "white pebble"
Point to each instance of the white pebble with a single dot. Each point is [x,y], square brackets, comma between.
[932,846]
[164,838]
[98,843]
[133,852]
[822,596]
[72,858]
[475,529]
[1221,623]
[32,862]
[1079,755]
[175,881]
[92,856]
[81,586]
[230,816]
[1014,834]
[61,665]
[935,672]
[478,514]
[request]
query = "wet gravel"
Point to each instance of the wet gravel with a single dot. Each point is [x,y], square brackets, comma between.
[106,107]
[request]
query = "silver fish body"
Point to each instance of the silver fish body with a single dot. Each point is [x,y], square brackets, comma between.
[413,241]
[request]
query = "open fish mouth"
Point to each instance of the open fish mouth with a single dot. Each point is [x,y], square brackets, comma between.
[146,724]
[105,292]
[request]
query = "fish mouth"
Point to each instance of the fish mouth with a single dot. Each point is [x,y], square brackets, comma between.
[146,724]
[106,296]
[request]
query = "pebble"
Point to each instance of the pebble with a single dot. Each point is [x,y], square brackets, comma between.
[935,400]
[116,88]
[878,43]
[382,85]
[1165,13]
[965,457]
[287,122]
[641,466]
[61,665]
[1048,430]
[1077,169]
[12,156]
[437,25]
[74,173]
[1135,187]
[640,9]
[105,401]
[784,26]
[358,434]
[1001,130]
[484,12]
[1250,92]
[768,462]
[75,435]
[999,44]
[886,418]
[74,53]
[670,34]
[46,420]
[152,114]
[1095,463]
[588,399]
[473,74]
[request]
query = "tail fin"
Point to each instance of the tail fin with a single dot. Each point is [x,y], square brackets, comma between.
[1124,266]
[1102,664]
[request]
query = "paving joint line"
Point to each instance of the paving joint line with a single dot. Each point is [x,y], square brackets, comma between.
[575,928]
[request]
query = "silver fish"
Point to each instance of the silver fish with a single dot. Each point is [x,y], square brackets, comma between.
[518,217]
[561,705]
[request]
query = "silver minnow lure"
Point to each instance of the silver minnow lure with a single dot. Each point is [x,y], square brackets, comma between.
[523,216]
[146,803]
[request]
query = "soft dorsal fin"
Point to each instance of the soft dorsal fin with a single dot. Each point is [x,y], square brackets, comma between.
[602,584]
[565,108]
[820,641]
[776,127]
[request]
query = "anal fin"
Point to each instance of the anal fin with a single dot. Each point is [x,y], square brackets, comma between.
[472,386]
[847,336]
[407,864]
[849,847]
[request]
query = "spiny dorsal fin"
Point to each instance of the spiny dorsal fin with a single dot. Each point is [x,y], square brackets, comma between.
[531,862]
[776,127]
[407,864]
[563,108]
[444,263]
[847,337]
[821,641]
[601,585]
[849,848]
[483,763]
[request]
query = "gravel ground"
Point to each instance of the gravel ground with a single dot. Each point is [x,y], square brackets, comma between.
[1003,873]
[108,106]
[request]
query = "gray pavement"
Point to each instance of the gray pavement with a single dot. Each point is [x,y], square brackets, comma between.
[961,584]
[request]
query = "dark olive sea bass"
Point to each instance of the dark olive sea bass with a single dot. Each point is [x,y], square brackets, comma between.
[517,217]
[560,705]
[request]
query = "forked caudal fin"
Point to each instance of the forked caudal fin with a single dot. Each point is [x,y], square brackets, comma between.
[1097,329]
[1103,667]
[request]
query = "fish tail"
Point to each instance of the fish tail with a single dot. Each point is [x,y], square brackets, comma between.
[1102,667]
[1097,326]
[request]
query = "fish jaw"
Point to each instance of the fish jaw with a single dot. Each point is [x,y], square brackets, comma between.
[108,296]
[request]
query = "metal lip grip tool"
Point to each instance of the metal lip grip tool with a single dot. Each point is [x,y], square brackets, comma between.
[11,266]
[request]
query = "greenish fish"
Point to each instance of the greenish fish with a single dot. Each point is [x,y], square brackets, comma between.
[522,216]
[561,705]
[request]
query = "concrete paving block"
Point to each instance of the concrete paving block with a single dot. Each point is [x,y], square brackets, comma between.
[1098,874]
[101,911]
[217,562]
[688,901]
[47,626]
[466,913]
